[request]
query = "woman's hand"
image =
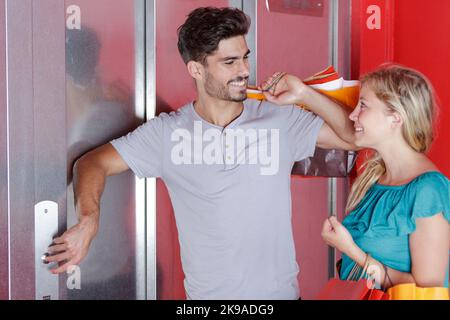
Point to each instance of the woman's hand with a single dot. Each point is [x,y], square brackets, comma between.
[337,236]
[284,89]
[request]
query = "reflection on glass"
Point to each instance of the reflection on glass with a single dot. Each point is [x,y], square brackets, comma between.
[98,111]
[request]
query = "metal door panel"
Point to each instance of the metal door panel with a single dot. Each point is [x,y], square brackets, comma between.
[20,144]
[101,91]
[43,133]
[4,234]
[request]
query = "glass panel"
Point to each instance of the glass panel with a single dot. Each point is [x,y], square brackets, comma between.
[100,82]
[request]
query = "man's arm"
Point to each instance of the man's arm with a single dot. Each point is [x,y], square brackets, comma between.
[90,172]
[327,139]
[338,133]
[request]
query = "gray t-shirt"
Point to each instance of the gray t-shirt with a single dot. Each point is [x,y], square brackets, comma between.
[230,189]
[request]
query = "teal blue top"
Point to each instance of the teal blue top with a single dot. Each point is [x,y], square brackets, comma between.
[386,216]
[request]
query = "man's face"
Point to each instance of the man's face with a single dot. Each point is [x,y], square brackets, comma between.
[227,71]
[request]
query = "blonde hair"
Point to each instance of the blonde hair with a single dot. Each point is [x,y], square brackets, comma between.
[409,93]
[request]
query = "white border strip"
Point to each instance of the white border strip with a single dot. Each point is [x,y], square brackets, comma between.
[151,182]
[8,178]
[140,249]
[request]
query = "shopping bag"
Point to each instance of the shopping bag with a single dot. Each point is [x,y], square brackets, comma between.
[376,294]
[358,286]
[410,291]
[337,289]
[329,83]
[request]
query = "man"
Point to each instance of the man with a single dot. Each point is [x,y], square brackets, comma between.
[226,162]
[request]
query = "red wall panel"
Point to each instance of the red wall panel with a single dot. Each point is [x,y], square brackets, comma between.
[413,33]
[286,43]
[422,41]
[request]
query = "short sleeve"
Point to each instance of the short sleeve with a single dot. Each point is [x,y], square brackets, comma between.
[142,149]
[431,196]
[302,131]
[388,211]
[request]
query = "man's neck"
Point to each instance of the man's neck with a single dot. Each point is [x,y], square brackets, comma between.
[218,112]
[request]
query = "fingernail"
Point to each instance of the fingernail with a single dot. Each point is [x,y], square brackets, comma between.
[44,257]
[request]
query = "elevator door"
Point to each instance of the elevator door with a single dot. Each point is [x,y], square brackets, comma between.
[100,106]
[72,86]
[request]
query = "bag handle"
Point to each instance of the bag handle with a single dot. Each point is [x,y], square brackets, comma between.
[357,273]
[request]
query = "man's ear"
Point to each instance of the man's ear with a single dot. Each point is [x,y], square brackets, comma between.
[195,69]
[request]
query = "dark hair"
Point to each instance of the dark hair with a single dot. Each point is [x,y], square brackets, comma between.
[205,27]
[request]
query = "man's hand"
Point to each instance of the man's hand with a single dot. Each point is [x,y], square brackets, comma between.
[338,133]
[70,248]
[284,89]
[90,173]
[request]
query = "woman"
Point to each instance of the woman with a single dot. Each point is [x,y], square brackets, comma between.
[399,206]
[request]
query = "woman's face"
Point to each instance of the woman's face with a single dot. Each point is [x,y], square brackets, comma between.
[373,120]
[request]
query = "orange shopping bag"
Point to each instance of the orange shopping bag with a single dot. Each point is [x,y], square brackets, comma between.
[327,82]
[409,291]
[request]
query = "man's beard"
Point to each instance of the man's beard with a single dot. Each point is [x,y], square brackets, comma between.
[217,90]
